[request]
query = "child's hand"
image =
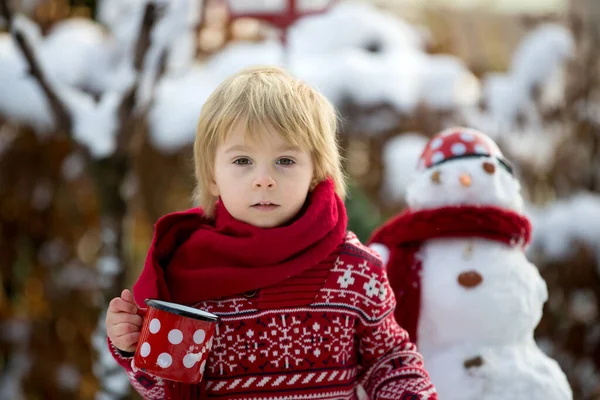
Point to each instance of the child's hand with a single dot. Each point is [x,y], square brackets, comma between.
[123,324]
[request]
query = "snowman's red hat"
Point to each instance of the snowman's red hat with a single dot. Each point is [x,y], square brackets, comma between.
[456,143]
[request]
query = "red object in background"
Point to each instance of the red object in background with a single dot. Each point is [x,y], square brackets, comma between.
[280,13]
[175,341]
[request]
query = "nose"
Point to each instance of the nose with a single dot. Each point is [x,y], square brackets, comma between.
[264,181]
[465,180]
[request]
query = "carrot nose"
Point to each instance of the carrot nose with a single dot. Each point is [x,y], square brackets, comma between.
[465,180]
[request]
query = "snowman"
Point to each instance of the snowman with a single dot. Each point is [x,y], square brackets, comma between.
[466,293]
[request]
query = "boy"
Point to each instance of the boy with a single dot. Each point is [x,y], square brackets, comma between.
[306,310]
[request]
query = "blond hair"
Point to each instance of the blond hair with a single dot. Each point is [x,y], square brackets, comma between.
[267,97]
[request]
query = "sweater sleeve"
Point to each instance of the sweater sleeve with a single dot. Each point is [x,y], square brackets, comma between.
[391,367]
[148,386]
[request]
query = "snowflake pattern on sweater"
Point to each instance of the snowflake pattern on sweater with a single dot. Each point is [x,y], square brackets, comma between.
[347,336]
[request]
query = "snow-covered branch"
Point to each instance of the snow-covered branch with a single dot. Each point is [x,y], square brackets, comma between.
[62,115]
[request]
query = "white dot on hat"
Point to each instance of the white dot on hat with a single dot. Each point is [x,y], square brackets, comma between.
[154,325]
[437,143]
[199,336]
[189,360]
[175,336]
[458,149]
[164,360]
[480,149]
[467,137]
[437,157]
[145,350]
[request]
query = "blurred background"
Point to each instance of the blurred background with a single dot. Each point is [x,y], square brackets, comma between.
[99,101]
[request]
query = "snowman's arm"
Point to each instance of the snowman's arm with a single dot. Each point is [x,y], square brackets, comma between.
[148,386]
[390,364]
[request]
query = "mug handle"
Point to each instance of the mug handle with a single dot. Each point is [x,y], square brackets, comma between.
[142,312]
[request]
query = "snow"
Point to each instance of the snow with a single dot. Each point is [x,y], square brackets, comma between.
[350,25]
[79,52]
[400,158]
[560,226]
[538,62]
[362,54]
[68,377]
[474,315]
[73,166]
[583,307]
[520,371]
[540,53]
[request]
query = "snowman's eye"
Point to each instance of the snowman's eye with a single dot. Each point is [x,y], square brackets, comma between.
[489,167]
[435,177]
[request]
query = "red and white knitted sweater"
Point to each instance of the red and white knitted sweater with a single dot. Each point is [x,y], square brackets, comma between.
[269,347]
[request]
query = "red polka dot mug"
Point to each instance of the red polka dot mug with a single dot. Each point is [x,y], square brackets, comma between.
[175,341]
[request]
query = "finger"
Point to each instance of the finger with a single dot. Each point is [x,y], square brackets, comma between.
[130,341]
[128,296]
[124,329]
[121,317]
[119,305]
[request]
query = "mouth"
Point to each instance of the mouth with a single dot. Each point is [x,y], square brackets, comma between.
[265,206]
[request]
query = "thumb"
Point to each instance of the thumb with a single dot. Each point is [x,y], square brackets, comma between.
[128,296]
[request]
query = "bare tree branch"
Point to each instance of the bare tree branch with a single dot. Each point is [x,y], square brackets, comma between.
[141,48]
[63,117]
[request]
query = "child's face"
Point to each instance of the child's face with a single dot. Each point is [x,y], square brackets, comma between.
[262,182]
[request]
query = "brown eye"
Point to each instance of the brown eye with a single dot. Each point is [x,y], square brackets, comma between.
[435,177]
[489,167]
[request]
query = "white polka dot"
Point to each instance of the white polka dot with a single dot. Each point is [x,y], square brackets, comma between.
[154,325]
[480,149]
[437,143]
[467,137]
[175,336]
[458,149]
[203,366]
[164,360]
[189,360]
[199,336]
[145,350]
[437,157]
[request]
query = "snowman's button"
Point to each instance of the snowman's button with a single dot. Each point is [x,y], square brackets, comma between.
[164,360]
[473,362]
[175,336]
[199,336]
[145,350]
[154,325]
[470,279]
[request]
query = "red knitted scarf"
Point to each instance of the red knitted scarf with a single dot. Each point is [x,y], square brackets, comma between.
[193,258]
[404,234]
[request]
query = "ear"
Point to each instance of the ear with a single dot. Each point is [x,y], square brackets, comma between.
[214,189]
